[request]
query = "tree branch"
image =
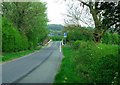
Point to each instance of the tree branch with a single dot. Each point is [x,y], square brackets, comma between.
[84,3]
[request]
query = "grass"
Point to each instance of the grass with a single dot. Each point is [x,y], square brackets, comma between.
[10,56]
[14,55]
[67,72]
[91,63]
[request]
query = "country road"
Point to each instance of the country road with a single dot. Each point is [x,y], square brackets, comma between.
[38,67]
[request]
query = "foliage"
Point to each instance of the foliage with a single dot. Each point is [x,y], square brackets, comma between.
[67,73]
[55,27]
[92,63]
[76,44]
[85,34]
[106,15]
[38,25]
[28,25]
[76,33]
[56,38]
[10,56]
[97,63]
[12,40]
[110,38]
[111,14]
[0,35]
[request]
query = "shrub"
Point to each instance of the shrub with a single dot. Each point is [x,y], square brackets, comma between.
[105,68]
[76,44]
[109,38]
[12,39]
[115,38]
[96,62]
[79,34]
[56,38]
[90,63]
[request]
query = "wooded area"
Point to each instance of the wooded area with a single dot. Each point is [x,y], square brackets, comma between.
[106,15]
[24,25]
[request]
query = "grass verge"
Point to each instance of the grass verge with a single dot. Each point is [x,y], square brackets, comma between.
[90,63]
[14,55]
[67,73]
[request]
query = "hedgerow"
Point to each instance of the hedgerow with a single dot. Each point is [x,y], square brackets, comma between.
[97,63]
[110,38]
[12,39]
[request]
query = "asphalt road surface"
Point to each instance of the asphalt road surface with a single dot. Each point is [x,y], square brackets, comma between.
[39,67]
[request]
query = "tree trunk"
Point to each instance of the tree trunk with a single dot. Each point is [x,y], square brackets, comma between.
[98,26]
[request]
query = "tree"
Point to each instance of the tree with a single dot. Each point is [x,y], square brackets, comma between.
[29,18]
[97,16]
[111,15]
[76,15]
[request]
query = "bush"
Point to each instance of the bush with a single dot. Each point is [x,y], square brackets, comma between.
[79,34]
[76,44]
[115,38]
[56,38]
[105,68]
[90,63]
[97,63]
[109,38]
[12,39]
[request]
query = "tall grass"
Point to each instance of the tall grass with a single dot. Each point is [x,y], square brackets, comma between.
[90,63]
[10,56]
[67,73]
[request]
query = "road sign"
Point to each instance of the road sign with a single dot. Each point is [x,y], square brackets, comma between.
[65,34]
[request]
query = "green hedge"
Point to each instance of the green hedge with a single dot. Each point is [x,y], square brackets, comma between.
[79,34]
[56,38]
[90,63]
[12,39]
[96,63]
[76,44]
[86,34]
[109,38]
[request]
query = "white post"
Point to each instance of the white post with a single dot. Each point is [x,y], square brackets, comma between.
[60,46]
[62,42]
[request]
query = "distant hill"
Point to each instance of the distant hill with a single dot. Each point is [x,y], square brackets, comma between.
[55,27]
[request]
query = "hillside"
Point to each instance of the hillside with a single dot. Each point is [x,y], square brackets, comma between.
[55,27]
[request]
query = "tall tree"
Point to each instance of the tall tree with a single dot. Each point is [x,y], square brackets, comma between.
[30,19]
[97,16]
[111,15]
[76,15]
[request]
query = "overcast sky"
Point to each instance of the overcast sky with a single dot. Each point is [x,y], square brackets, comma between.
[55,11]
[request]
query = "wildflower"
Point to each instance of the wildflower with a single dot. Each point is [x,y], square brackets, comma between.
[64,81]
[115,77]
[65,78]
[116,73]
[112,82]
